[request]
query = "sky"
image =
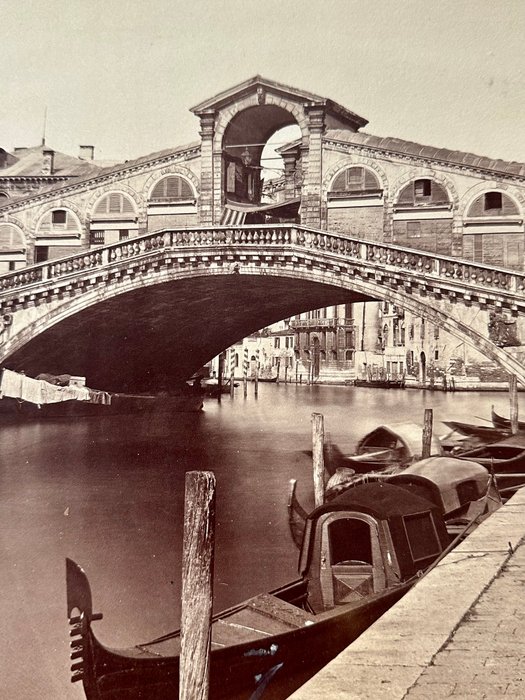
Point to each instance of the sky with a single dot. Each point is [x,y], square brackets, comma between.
[122,74]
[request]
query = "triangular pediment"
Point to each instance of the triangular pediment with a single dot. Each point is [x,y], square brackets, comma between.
[250,86]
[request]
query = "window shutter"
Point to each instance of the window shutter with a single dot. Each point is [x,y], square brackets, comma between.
[10,237]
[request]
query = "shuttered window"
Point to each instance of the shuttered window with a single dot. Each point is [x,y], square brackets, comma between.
[11,238]
[423,192]
[355,180]
[115,203]
[493,204]
[59,221]
[172,189]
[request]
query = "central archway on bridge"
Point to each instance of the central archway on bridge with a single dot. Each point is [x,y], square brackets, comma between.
[250,158]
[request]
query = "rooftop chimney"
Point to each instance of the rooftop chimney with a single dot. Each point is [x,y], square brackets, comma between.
[48,161]
[86,152]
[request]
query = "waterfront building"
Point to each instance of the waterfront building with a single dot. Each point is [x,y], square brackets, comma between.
[334,176]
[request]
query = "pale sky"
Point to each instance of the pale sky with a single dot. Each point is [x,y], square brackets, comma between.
[122,74]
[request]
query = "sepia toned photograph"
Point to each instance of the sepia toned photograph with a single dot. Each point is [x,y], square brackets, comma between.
[262,345]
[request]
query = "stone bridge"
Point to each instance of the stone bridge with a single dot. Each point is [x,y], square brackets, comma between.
[162,304]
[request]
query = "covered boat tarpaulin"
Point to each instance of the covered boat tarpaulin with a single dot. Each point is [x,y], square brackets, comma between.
[18,386]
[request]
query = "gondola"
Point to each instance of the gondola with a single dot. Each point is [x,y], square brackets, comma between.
[458,486]
[487,433]
[505,459]
[504,423]
[361,553]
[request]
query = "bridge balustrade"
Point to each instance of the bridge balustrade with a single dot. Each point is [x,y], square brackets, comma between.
[370,253]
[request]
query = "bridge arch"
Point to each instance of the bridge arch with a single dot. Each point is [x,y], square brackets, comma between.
[309,279]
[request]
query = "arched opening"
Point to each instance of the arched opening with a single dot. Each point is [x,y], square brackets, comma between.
[493,230]
[260,161]
[58,233]
[12,248]
[114,219]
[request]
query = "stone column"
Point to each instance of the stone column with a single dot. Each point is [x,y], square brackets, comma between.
[290,164]
[311,195]
[206,197]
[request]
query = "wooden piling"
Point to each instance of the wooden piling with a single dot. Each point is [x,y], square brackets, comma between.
[427,433]
[232,373]
[513,396]
[197,585]
[318,457]
[245,373]
[220,370]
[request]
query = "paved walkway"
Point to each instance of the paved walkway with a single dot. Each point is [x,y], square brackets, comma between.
[459,633]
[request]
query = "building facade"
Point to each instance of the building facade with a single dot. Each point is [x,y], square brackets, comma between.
[334,176]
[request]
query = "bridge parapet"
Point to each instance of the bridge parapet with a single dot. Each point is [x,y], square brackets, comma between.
[393,266]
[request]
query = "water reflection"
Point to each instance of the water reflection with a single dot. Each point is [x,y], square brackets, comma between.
[108,492]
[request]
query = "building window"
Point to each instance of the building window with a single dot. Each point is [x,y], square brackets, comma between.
[97,237]
[493,204]
[123,234]
[58,216]
[172,189]
[114,203]
[277,343]
[41,253]
[12,265]
[422,188]
[355,179]
[422,192]
[492,200]
[436,354]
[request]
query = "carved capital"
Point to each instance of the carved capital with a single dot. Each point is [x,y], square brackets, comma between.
[207,125]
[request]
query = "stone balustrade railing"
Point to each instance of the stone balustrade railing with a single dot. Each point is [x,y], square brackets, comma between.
[382,256]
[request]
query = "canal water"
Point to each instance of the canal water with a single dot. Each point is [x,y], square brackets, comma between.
[109,493]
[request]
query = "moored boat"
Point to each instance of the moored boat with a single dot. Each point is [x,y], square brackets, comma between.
[462,489]
[504,423]
[505,459]
[361,553]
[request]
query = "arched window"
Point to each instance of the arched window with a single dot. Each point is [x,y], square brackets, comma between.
[114,219]
[493,230]
[11,238]
[12,248]
[173,188]
[355,181]
[422,192]
[58,221]
[114,203]
[493,204]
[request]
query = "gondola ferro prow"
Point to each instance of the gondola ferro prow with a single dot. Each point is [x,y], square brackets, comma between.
[79,599]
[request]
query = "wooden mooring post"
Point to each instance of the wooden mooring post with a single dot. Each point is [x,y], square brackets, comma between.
[513,396]
[232,373]
[245,373]
[220,370]
[256,377]
[197,585]
[427,433]
[318,457]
